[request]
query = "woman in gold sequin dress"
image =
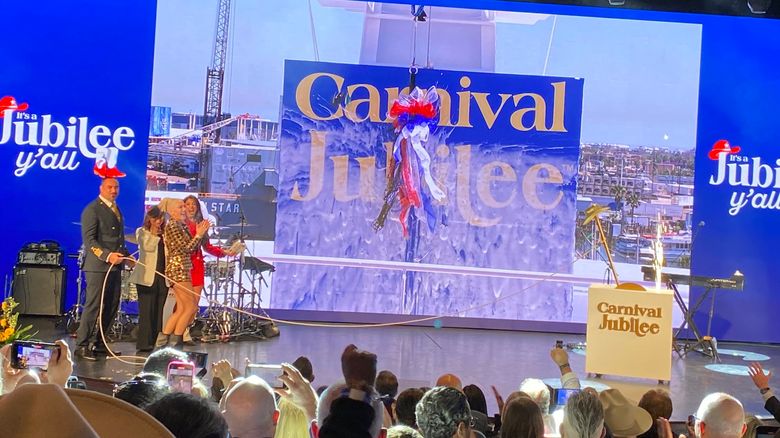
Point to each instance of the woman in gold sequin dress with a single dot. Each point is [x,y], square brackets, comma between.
[179,245]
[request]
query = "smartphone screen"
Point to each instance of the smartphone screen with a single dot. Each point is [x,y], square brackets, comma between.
[269,373]
[180,376]
[562,395]
[198,359]
[28,354]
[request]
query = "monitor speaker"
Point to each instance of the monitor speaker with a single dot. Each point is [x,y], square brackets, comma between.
[39,290]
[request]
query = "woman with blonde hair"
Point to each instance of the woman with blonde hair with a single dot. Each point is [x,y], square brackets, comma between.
[179,245]
[198,270]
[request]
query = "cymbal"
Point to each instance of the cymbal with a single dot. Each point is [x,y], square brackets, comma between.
[131,238]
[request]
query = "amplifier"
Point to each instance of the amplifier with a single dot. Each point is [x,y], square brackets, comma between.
[37,257]
[39,290]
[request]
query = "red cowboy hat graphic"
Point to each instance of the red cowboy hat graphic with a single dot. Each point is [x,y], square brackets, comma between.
[9,103]
[722,146]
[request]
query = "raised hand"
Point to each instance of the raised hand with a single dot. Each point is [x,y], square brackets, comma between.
[60,365]
[298,391]
[756,372]
[202,228]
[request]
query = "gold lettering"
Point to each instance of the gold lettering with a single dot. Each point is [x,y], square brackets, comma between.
[539,109]
[532,179]
[351,109]
[316,169]
[341,179]
[463,158]
[445,107]
[464,104]
[484,107]
[604,322]
[486,179]
[559,106]
[303,95]
[602,307]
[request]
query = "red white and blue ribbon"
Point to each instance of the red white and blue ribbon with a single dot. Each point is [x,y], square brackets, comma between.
[415,116]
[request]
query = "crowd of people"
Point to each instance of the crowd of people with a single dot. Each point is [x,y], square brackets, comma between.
[365,404]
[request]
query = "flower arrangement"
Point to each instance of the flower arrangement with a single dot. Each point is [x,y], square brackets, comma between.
[8,324]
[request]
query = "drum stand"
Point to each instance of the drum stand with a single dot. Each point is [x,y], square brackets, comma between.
[122,325]
[72,317]
[225,324]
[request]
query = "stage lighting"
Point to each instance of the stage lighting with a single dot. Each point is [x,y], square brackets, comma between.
[617,2]
[759,6]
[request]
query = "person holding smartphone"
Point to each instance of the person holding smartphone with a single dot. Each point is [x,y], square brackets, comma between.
[152,288]
[58,369]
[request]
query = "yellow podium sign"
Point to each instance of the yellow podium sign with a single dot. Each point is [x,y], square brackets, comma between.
[629,332]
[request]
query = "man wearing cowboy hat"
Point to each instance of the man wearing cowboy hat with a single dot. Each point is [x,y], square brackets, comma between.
[622,417]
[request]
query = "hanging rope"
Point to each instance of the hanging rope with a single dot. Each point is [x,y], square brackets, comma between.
[313,34]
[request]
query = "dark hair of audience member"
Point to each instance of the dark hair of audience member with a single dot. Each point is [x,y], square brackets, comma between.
[188,416]
[303,365]
[405,405]
[386,384]
[658,403]
[158,361]
[321,389]
[476,398]
[522,418]
[143,390]
[442,412]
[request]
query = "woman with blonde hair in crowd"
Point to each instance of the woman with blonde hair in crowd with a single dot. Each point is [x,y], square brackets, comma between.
[179,246]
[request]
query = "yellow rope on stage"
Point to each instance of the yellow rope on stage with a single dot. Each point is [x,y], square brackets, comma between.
[298,323]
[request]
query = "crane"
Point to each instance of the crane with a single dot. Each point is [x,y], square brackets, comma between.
[215,78]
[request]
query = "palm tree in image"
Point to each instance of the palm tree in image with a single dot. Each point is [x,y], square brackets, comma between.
[633,201]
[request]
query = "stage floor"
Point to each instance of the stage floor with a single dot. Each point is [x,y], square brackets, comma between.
[418,355]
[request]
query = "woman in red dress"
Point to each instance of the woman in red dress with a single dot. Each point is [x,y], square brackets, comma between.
[198,273]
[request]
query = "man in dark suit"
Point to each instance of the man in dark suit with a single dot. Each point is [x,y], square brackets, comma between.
[102,231]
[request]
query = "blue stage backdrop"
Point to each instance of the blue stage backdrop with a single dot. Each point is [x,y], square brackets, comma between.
[738,195]
[80,76]
[506,152]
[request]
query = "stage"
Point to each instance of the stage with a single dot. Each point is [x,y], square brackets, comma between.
[418,355]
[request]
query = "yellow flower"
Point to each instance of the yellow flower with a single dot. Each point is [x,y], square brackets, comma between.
[6,305]
[8,332]
[3,323]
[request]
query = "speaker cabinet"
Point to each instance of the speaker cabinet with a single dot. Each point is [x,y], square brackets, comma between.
[39,290]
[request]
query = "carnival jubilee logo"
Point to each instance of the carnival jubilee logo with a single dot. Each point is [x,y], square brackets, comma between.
[749,175]
[57,145]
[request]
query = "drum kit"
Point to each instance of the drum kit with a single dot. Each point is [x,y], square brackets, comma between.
[233,292]
[123,323]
